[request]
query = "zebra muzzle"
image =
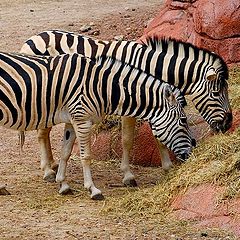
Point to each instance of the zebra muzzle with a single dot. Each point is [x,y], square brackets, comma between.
[223,125]
[227,122]
[183,156]
[194,143]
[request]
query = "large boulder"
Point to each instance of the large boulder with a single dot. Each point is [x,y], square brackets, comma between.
[201,204]
[209,24]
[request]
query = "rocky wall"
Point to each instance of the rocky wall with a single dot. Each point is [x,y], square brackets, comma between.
[210,24]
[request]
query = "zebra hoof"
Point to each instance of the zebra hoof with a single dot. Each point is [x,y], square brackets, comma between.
[4,191]
[96,194]
[130,183]
[98,197]
[50,177]
[65,189]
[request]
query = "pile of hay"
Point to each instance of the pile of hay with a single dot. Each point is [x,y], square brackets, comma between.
[216,160]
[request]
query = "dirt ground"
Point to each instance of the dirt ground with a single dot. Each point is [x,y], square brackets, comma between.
[34,210]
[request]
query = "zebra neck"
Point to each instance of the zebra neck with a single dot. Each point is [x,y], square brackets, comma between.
[137,95]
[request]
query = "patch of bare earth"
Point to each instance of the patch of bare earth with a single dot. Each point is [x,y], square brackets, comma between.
[34,210]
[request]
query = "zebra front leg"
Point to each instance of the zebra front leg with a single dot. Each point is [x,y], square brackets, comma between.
[46,154]
[164,155]
[83,132]
[128,128]
[67,146]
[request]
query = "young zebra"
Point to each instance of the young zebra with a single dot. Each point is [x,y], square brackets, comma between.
[196,72]
[39,92]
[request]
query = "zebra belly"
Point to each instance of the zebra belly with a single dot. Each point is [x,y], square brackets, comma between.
[19,121]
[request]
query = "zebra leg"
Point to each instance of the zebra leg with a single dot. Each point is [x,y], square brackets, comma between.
[164,154]
[67,146]
[83,132]
[46,154]
[128,128]
[84,145]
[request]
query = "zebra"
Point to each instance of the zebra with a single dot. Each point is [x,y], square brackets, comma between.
[196,72]
[38,92]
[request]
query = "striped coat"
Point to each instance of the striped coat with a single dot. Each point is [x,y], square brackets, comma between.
[40,92]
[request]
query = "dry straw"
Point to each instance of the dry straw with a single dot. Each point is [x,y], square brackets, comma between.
[216,160]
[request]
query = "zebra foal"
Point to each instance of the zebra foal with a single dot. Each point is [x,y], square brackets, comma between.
[39,92]
[196,72]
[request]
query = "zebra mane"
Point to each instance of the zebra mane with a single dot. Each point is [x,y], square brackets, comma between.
[154,42]
[108,61]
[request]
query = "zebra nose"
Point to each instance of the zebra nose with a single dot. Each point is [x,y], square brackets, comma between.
[227,122]
[194,143]
[183,156]
[229,118]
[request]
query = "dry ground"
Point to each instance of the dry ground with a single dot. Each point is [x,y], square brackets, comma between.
[34,210]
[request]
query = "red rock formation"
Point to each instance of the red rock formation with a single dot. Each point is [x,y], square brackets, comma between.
[201,204]
[206,23]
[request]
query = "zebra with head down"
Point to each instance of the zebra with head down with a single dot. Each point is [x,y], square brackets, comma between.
[40,92]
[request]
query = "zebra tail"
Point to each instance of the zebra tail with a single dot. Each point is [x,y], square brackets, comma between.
[21,138]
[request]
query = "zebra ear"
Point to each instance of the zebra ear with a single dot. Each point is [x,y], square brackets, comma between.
[168,93]
[211,75]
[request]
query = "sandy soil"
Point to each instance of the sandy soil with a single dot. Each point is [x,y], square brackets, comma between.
[20,19]
[34,210]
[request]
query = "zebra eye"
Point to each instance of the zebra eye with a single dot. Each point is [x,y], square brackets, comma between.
[183,120]
[215,93]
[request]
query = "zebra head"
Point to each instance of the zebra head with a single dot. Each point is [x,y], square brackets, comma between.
[169,125]
[210,96]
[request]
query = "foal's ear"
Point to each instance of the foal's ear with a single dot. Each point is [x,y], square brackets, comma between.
[211,75]
[168,94]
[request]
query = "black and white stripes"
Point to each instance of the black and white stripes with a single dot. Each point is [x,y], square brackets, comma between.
[192,70]
[39,92]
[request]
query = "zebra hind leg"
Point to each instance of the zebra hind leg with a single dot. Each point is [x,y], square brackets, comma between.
[47,162]
[128,128]
[83,132]
[67,145]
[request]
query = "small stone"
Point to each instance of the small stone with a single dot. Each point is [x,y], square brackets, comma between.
[128,29]
[119,38]
[91,24]
[3,190]
[85,28]
[204,234]
[31,10]
[71,24]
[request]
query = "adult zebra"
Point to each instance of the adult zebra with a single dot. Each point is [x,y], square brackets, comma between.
[196,72]
[39,92]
